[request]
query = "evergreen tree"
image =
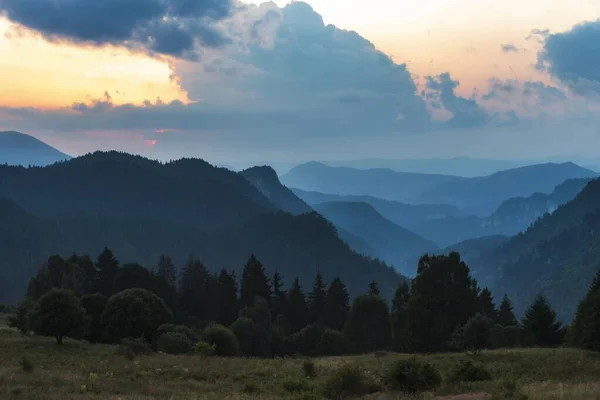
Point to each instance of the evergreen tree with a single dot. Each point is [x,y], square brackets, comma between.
[316,299]
[368,325]
[337,304]
[585,330]
[278,301]
[540,322]
[165,269]
[227,301]
[296,308]
[399,317]
[488,308]
[506,316]
[107,267]
[374,288]
[255,282]
[195,285]
[443,297]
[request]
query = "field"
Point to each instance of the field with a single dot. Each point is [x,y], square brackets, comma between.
[78,370]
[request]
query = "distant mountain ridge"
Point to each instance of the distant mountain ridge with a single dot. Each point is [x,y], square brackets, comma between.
[21,149]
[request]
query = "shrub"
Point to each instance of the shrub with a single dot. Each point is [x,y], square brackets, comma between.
[251,388]
[507,388]
[134,313]
[174,343]
[26,365]
[512,336]
[468,371]
[333,343]
[223,340]
[348,381]
[20,319]
[413,376]
[204,349]
[307,340]
[137,345]
[475,335]
[253,339]
[184,330]
[127,352]
[296,386]
[58,313]
[309,368]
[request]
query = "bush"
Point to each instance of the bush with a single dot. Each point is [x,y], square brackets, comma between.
[122,350]
[253,339]
[508,389]
[26,365]
[512,336]
[309,368]
[137,345]
[223,340]
[204,349]
[348,381]
[296,386]
[20,319]
[475,335]
[333,343]
[174,343]
[468,371]
[134,313]
[413,376]
[307,340]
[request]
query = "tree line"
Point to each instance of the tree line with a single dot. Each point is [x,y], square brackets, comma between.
[441,309]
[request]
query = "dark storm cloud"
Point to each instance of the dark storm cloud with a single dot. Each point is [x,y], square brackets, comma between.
[466,113]
[574,57]
[169,27]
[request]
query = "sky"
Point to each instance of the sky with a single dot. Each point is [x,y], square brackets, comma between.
[235,82]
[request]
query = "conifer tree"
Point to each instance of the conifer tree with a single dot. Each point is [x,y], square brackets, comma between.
[278,301]
[107,267]
[226,299]
[585,330]
[194,289]
[316,299]
[374,288]
[488,308]
[540,322]
[506,316]
[255,283]
[399,317]
[368,326]
[165,269]
[337,304]
[296,308]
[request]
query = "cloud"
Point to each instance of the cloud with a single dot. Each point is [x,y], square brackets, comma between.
[573,57]
[466,113]
[168,27]
[510,48]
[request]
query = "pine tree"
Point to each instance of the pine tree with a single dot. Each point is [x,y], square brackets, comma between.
[368,327]
[296,310]
[255,283]
[399,317]
[226,300]
[374,288]
[107,267]
[506,316]
[316,299]
[443,297]
[585,330]
[540,322]
[194,288]
[337,304]
[488,308]
[166,270]
[278,301]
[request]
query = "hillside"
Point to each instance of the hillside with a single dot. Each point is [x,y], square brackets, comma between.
[21,149]
[267,182]
[380,183]
[391,243]
[400,213]
[511,217]
[142,208]
[558,255]
[483,195]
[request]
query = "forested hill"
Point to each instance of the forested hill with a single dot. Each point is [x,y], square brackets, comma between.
[141,208]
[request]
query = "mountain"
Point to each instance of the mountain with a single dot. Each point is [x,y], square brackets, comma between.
[21,149]
[511,217]
[267,182]
[400,213]
[558,255]
[381,183]
[389,242]
[458,166]
[483,195]
[142,208]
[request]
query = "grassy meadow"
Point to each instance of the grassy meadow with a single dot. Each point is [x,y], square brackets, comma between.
[78,370]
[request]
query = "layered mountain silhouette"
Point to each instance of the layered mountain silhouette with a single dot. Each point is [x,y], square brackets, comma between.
[21,149]
[142,208]
[390,242]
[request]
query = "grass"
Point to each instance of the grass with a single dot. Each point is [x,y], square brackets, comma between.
[78,370]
